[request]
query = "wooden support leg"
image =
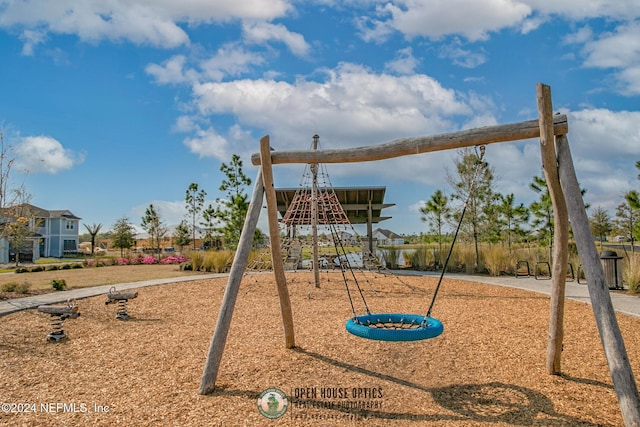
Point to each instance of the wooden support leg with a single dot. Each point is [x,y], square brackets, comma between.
[207,383]
[558,268]
[612,342]
[274,235]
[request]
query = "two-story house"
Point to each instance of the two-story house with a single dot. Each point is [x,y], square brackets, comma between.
[52,233]
[387,237]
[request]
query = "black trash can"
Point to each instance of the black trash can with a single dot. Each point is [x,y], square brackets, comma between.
[612,269]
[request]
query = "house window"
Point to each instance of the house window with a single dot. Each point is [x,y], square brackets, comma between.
[70,225]
[70,246]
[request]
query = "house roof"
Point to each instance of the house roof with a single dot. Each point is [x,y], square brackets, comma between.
[387,233]
[354,200]
[26,209]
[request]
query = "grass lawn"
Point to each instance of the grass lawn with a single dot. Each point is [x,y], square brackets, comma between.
[40,282]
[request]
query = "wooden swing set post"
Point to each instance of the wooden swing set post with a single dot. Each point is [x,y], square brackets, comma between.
[274,238]
[560,257]
[238,267]
[615,351]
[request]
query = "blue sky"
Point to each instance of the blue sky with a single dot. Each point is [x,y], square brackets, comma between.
[111,106]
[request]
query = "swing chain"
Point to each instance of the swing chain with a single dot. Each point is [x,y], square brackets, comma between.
[476,172]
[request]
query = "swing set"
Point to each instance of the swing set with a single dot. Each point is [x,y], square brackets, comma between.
[568,205]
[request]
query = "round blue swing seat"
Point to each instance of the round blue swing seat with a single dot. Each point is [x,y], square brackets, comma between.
[394,327]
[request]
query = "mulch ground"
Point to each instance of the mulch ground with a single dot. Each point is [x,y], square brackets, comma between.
[487,368]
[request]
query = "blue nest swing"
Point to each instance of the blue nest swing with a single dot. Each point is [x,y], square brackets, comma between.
[394,327]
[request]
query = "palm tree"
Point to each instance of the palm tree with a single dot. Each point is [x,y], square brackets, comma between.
[93,230]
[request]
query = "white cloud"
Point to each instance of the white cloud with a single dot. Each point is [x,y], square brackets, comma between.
[620,50]
[208,143]
[462,57]
[373,30]
[229,60]
[352,104]
[152,22]
[437,18]
[264,32]
[532,23]
[404,63]
[170,72]
[31,38]
[583,35]
[604,147]
[43,154]
[580,9]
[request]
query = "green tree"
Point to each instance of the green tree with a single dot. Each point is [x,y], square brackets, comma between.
[93,231]
[232,210]
[123,236]
[512,216]
[181,235]
[18,235]
[208,223]
[472,186]
[542,211]
[628,216]
[600,223]
[13,200]
[155,227]
[435,212]
[194,200]
[8,196]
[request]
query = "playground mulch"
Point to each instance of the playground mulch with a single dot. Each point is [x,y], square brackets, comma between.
[487,368]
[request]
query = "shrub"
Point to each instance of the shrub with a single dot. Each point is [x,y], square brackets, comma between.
[496,259]
[22,270]
[390,258]
[37,268]
[221,260]
[186,266]
[9,287]
[419,258]
[631,272]
[122,261]
[23,287]
[406,258]
[197,260]
[51,267]
[74,265]
[58,284]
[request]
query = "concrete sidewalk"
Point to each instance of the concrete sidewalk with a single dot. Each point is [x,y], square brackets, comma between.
[623,303]
[13,305]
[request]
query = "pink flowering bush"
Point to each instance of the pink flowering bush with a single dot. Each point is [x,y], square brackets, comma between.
[90,262]
[122,261]
[149,260]
[173,260]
